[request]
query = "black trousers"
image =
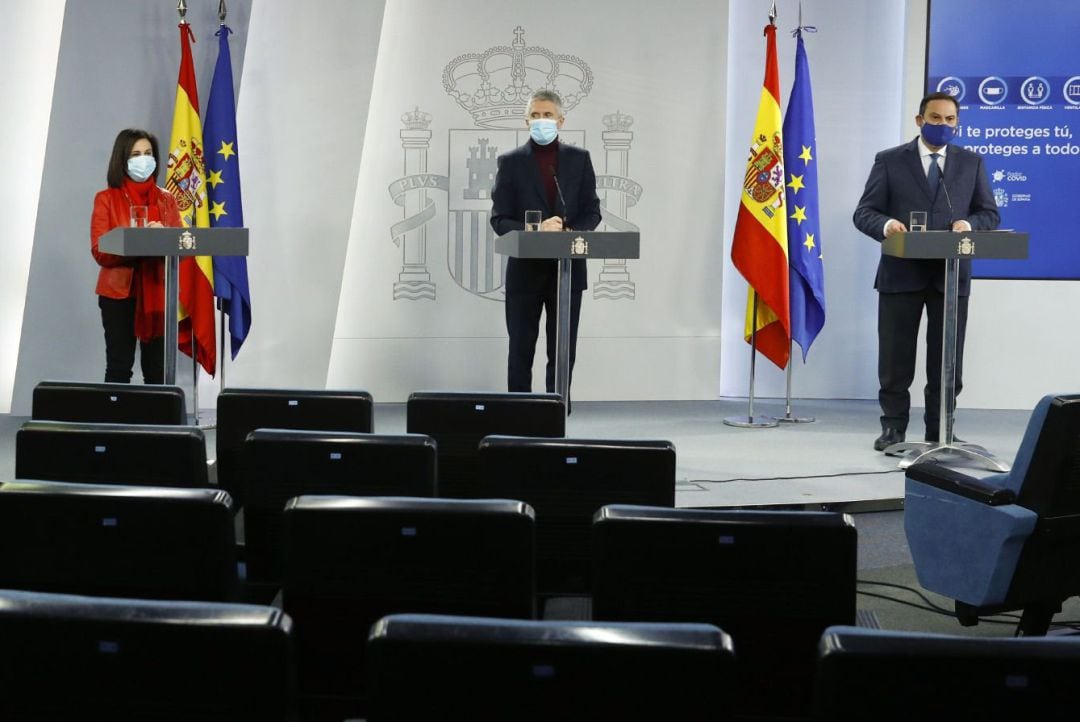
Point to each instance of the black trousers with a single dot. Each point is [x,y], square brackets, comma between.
[523,326]
[899,317]
[118,320]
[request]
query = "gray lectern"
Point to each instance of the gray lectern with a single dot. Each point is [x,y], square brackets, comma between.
[171,243]
[565,246]
[952,247]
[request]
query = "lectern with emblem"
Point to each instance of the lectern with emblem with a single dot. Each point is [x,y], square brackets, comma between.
[565,246]
[172,243]
[951,247]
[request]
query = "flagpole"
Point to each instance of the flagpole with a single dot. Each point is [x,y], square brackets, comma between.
[750,421]
[787,418]
[222,12]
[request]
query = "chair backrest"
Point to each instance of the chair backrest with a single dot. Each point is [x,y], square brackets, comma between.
[241,411]
[773,580]
[70,657]
[1046,471]
[281,464]
[108,403]
[144,542]
[440,667]
[886,675]
[134,454]
[350,561]
[458,421]
[566,481]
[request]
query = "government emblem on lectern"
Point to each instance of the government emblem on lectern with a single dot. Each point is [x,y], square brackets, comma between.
[186,242]
[966,247]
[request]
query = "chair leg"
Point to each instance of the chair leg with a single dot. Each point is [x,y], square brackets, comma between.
[967,615]
[1035,619]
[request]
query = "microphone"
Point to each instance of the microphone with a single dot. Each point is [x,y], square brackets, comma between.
[948,200]
[558,189]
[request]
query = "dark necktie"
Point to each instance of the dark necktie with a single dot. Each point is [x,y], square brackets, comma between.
[933,176]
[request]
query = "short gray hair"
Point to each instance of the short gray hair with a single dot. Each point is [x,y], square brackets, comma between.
[544,94]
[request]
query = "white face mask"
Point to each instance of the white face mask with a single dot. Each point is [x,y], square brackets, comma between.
[141,167]
[543,130]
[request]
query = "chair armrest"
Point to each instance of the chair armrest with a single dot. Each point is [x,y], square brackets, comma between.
[946,479]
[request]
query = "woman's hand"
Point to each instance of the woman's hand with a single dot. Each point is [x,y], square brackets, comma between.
[154,224]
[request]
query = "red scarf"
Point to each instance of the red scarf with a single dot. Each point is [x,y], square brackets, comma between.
[148,281]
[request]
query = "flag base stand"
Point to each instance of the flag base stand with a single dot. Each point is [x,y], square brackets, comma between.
[751,422]
[789,419]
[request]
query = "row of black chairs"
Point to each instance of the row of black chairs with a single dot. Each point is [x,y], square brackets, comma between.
[564,480]
[774,581]
[70,657]
[457,421]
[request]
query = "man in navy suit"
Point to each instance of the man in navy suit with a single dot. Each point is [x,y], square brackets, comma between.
[525,181]
[951,186]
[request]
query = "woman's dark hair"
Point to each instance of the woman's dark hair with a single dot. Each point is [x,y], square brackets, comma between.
[125,141]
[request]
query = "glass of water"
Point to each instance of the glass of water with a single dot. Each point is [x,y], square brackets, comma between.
[532,220]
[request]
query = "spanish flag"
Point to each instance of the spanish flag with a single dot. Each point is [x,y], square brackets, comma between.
[760,248]
[186,180]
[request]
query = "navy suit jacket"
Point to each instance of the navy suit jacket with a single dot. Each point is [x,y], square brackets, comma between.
[519,188]
[897,186]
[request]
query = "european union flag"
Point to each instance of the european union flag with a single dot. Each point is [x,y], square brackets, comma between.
[223,191]
[807,277]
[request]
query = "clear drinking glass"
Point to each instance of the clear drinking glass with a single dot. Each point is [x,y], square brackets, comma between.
[917,221]
[532,220]
[139,215]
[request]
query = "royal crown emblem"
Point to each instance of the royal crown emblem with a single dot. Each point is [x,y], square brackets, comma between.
[966,247]
[579,247]
[495,86]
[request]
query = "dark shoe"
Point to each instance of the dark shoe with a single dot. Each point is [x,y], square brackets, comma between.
[889,436]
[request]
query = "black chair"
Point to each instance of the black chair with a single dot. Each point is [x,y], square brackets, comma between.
[241,411]
[350,561]
[1007,541]
[886,675]
[133,454]
[67,657]
[153,543]
[441,667]
[458,421]
[566,481]
[773,580]
[108,403]
[281,464]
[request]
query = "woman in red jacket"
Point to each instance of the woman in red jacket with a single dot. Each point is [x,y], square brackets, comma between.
[131,290]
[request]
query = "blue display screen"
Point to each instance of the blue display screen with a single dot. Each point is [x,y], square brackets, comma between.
[1015,70]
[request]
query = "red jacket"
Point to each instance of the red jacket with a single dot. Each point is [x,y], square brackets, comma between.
[112,209]
[129,277]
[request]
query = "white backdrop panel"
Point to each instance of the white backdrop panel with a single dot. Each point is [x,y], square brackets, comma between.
[29,43]
[641,62]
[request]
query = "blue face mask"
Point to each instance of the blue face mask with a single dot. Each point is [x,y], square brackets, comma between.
[141,167]
[543,130]
[938,135]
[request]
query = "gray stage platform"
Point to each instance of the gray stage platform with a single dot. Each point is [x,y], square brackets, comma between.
[828,462]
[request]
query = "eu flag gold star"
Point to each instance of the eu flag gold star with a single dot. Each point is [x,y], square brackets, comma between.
[214,178]
[809,243]
[805,155]
[796,184]
[799,214]
[217,210]
[226,150]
